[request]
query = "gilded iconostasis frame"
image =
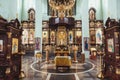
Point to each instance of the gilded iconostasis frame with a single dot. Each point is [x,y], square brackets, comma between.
[62,35]
[96,29]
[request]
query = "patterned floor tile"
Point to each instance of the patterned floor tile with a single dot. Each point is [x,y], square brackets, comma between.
[34,75]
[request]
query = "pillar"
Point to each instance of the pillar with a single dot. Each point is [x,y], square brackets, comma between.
[38,22]
[85,25]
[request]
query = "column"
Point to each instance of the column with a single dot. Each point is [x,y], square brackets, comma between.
[38,22]
[85,25]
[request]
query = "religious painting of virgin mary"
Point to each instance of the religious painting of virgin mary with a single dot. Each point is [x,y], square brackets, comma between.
[70,37]
[86,43]
[98,36]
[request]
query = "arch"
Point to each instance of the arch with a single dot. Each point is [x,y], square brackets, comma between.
[92,13]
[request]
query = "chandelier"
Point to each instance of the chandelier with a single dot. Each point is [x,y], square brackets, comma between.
[62,8]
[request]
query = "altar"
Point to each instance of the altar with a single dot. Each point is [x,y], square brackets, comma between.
[63,61]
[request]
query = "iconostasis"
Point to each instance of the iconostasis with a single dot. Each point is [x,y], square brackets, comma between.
[96,31]
[61,35]
[28,38]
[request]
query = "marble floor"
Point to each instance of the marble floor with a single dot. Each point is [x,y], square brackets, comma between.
[43,71]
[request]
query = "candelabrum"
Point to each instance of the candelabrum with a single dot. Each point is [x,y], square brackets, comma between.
[100,75]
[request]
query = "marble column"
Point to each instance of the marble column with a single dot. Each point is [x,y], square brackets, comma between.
[85,25]
[38,22]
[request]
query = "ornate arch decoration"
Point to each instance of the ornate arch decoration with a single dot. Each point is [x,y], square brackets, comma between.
[31,14]
[92,13]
